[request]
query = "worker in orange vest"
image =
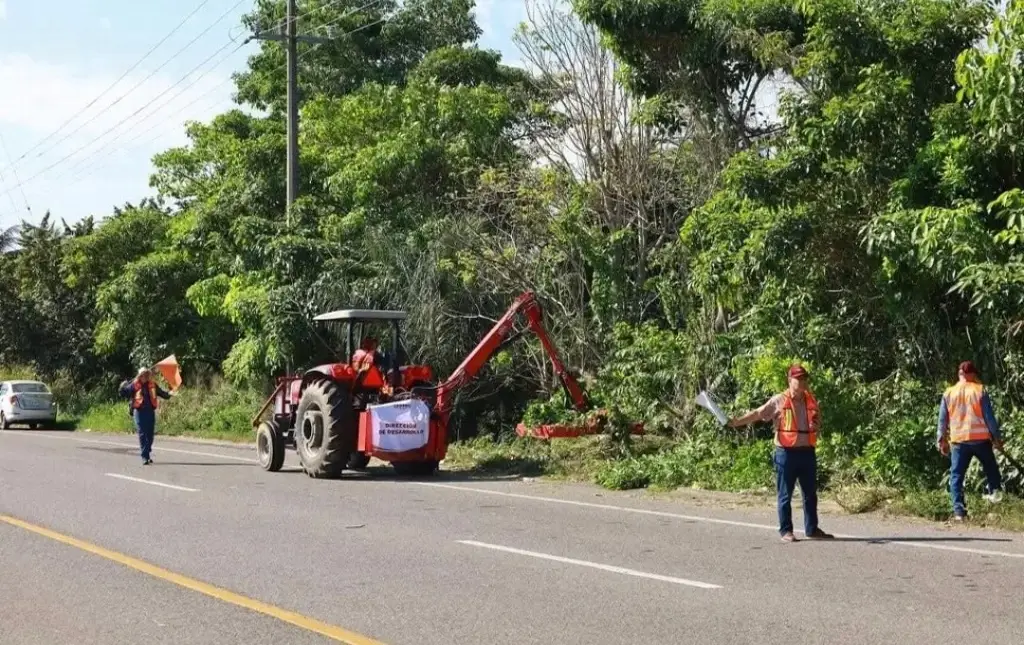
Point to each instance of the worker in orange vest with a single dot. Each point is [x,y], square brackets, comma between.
[143,395]
[794,414]
[966,421]
[368,354]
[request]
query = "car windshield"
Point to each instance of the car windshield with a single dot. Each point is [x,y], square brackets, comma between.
[29,387]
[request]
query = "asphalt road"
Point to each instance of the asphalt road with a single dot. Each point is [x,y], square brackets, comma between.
[452,561]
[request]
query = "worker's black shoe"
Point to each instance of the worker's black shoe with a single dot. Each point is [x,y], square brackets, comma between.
[818,534]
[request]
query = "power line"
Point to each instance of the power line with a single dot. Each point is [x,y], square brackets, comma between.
[346,15]
[280,68]
[83,171]
[75,170]
[139,84]
[10,196]
[14,171]
[171,99]
[128,144]
[112,85]
[130,116]
[89,170]
[283,22]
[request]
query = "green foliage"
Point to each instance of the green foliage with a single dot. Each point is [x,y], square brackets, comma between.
[698,461]
[17,373]
[677,239]
[556,410]
[106,417]
[645,376]
[216,411]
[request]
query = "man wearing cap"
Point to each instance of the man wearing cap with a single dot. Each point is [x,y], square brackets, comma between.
[794,414]
[966,421]
[143,394]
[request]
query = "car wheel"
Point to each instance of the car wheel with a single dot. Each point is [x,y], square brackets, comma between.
[4,423]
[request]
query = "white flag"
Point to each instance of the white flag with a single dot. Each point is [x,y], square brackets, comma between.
[705,401]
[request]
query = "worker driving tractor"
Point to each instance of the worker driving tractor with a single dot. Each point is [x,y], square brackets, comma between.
[368,354]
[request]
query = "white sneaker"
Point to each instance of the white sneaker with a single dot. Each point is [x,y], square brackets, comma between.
[994,497]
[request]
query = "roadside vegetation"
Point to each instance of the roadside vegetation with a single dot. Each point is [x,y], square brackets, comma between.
[698,191]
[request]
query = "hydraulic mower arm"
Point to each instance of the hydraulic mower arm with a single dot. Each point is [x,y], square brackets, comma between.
[526,304]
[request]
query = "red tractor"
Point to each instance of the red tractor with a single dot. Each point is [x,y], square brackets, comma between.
[339,415]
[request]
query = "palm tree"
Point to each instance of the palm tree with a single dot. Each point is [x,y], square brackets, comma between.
[9,238]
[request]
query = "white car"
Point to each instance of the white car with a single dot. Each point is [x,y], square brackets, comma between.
[28,402]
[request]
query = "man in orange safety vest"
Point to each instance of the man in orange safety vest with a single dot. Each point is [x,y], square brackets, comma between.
[368,354]
[794,414]
[966,421]
[143,396]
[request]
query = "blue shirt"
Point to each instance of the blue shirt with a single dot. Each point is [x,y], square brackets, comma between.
[986,410]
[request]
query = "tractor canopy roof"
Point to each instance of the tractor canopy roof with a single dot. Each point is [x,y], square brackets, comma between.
[359,315]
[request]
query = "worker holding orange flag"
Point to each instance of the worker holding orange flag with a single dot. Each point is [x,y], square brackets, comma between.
[144,394]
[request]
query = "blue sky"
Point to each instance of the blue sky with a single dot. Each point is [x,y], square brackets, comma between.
[57,56]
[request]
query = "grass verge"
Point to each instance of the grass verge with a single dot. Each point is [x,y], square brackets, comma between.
[662,464]
[219,413]
[566,459]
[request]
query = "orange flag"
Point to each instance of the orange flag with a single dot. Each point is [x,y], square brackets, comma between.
[170,370]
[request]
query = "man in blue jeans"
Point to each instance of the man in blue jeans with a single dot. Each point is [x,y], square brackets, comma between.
[143,395]
[794,414]
[966,421]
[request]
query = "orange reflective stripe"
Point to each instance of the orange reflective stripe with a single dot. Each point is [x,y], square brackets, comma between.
[966,417]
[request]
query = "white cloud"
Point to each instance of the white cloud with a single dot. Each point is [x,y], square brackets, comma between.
[44,95]
[484,12]
[3,9]
[111,149]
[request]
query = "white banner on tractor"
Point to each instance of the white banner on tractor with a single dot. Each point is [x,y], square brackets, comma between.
[400,426]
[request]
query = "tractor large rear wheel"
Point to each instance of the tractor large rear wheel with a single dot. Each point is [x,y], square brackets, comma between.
[325,435]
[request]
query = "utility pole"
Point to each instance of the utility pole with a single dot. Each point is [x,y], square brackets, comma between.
[289,35]
[291,17]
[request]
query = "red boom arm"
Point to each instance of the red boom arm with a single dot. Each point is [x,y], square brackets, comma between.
[527,304]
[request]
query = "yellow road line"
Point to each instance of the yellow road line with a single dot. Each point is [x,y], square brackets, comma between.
[310,624]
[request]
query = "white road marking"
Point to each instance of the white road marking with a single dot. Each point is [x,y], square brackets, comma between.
[152,483]
[156,448]
[592,565]
[895,541]
[608,507]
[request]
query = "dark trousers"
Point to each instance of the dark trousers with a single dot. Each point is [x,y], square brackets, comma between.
[145,426]
[961,455]
[792,466]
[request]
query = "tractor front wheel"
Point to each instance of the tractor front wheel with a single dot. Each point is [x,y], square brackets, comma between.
[270,446]
[415,468]
[325,433]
